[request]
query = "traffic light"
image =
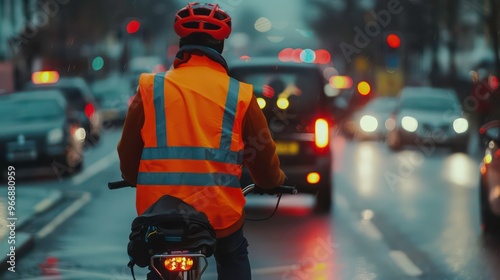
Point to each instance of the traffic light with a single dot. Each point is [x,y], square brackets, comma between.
[133,26]
[392,49]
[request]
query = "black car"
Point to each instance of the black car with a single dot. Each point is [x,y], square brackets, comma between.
[298,112]
[38,130]
[79,98]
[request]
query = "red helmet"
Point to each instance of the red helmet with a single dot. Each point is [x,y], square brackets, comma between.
[203,18]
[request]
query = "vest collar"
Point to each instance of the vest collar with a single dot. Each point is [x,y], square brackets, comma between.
[184,55]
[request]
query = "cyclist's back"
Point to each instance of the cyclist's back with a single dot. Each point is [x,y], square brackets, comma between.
[189,131]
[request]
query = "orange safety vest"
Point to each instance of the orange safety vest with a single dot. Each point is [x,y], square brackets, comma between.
[192,133]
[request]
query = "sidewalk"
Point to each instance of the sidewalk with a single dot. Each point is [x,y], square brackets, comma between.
[29,203]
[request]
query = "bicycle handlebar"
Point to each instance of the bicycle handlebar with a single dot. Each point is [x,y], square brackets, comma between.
[246,190]
[119,184]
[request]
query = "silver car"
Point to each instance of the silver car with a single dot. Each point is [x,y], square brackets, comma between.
[427,117]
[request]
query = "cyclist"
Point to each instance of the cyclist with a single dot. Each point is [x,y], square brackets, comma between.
[189,131]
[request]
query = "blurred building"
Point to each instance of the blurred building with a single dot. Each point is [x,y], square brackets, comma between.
[14,14]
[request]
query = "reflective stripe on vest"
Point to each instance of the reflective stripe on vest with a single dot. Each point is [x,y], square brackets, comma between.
[164,152]
[159,101]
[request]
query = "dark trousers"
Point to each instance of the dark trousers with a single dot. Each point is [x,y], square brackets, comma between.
[231,256]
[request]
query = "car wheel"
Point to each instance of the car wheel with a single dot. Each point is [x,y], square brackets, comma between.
[324,198]
[489,222]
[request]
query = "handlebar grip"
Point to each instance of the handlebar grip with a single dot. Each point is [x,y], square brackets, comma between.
[277,190]
[118,185]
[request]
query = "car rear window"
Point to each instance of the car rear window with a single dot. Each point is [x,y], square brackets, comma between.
[24,110]
[301,87]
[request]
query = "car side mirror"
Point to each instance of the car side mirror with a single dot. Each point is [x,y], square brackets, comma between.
[491,131]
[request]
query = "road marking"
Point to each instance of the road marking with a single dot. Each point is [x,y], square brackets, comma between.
[94,168]
[370,229]
[263,271]
[402,260]
[342,202]
[47,202]
[63,216]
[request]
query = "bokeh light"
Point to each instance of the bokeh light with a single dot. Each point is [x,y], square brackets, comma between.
[97,63]
[307,56]
[263,24]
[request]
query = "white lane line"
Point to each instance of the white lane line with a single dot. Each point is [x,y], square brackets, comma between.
[95,168]
[263,271]
[47,202]
[402,260]
[63,216]
[370,229]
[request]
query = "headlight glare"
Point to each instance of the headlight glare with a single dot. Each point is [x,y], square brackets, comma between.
[55,136]
[460,125]
[409,124]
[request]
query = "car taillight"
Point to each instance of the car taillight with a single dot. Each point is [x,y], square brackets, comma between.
[321,133]
[89,110]
[178,263]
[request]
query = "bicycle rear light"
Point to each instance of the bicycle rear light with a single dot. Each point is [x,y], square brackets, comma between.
[178,263]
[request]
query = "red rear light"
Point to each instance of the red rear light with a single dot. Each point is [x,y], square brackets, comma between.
[180,263]
[89,110]
[321,133]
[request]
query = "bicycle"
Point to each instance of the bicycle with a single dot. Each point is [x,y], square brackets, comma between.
[190,265]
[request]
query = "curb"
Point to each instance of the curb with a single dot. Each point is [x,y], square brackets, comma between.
[25,241]
[21,248]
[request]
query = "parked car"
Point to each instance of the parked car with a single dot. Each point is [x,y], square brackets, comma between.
[299,115]
[371,121]
[428,116]
[79,98]
[489,190]
[39,130]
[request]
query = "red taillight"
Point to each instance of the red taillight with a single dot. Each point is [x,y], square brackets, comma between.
[321,133]
[89,110]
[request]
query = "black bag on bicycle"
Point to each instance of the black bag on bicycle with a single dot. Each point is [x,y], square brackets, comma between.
[169,225]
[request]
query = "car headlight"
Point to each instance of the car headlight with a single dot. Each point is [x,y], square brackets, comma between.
[409,123]
[78,133]
[460,125]
[368,123]
[55,136]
